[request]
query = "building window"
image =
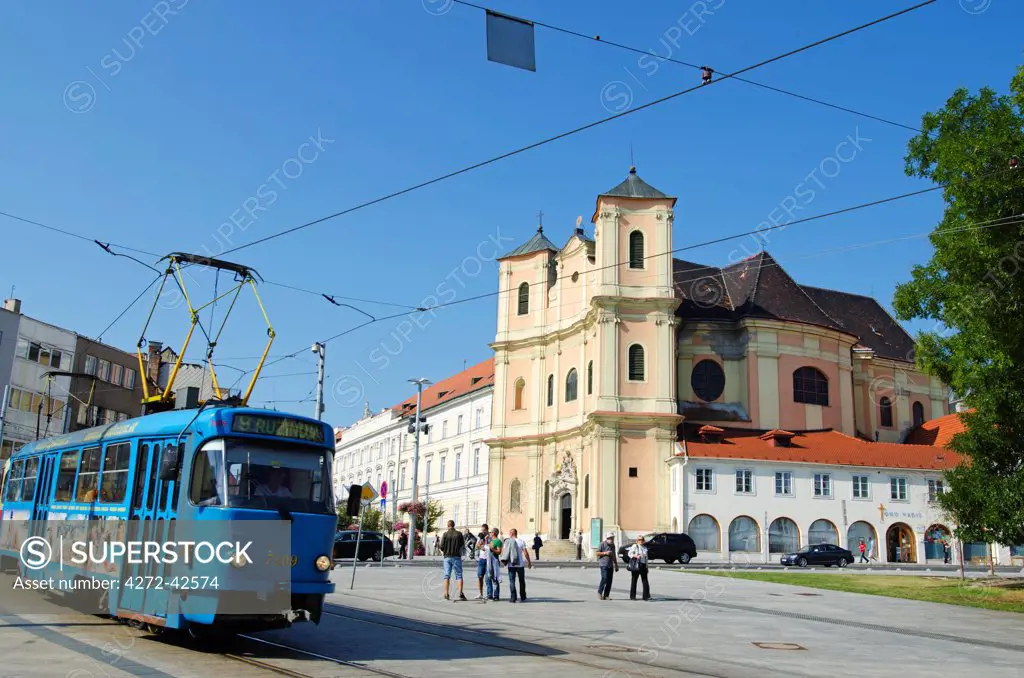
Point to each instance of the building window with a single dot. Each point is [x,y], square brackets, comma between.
[444,429]
[918,414]
[547,496]
[744,481]
[707,380]
[810,386]
[478,422]
[476,462]
[586,491]
[514,503]
[822,532]
[822,485]
[705,480]
[632,472]
[475,514]
[898,489]
[455,515]
[636,249]
[935,488]
[705,533]
[444,467]
[129,378]
[524,299]
[570,386]
[885,412]
[517,403]
[458,465]
[551,390]
[427,475]
[636,362]
[116,374]
[90,364]
[860,487]
[744,535]
[783,536]
[104,370]
[590,377]
[784,483]
[458,425]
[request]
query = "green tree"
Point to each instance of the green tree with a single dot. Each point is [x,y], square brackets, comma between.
[374,520]
[973,290]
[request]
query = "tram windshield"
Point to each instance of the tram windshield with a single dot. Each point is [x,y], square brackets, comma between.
[274,476]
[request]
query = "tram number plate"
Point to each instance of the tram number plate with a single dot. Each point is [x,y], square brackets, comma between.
[278,427]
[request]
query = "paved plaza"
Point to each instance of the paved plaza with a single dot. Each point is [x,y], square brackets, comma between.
[395,622]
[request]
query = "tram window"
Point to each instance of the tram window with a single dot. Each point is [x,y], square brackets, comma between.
[28,484]
[66,476]
[152,476]
[115,473]
[89,475]
[14,480]
[206,469]
[140,477]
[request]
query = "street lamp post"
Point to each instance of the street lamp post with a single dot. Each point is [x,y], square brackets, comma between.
[415,467]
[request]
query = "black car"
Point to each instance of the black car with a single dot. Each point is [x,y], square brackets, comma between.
[372,545]
[665,546]
[819,554]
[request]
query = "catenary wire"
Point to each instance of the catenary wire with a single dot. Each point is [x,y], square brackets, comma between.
[636,50]
[577,130]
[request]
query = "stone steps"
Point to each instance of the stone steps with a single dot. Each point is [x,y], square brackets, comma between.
[557,549]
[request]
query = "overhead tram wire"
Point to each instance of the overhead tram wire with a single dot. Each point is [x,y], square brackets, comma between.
[127,308]
[636,50]
[577,130]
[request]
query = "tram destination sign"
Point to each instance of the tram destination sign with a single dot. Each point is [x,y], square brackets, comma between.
[278,427]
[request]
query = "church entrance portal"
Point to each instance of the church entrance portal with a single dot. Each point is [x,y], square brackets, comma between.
[565,522]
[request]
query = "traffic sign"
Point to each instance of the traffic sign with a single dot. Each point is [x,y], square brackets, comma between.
[384,489]
[369,494]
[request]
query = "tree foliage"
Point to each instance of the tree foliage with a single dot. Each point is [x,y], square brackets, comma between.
[433,509]
[374,520]
[973,290]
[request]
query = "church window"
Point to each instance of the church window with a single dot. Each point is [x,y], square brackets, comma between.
[636,249]
[636,363]
[918,414]
[885,412]
[590,377]
[524,299]
[810,386]
[707,380]
[586,491]
[570,386]
[547,496]
[514,503]
[551,390]
[517,403]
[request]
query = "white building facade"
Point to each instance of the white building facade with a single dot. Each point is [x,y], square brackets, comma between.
[36,406]
[741,504]
[453,459]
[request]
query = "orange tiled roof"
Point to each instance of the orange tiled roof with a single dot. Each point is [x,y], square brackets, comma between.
[472,379]
[824,447]
[937,432]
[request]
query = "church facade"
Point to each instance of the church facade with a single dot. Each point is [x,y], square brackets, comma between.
[609,351]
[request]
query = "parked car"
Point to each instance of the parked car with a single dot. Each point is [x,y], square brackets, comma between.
[665,546]
[372,545]
[819,554]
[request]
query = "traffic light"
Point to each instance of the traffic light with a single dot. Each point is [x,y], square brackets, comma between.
[424,427]
[355,499]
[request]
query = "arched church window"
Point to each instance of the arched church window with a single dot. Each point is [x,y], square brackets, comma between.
[517,402]
[547,496]
[810,386]
[524,299]
[590,377]
[918,414]
[636,249]
[571,386]
[636,363]
[586,491]
[885,412]
[551,390]
[514,504]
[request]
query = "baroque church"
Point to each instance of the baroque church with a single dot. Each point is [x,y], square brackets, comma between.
[609,352]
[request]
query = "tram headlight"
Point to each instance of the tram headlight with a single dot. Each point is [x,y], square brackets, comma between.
[239,560]
[323,563]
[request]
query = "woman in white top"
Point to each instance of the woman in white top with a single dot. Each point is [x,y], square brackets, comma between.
[637,555]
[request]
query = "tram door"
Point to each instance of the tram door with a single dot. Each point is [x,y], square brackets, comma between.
[43,494]
[150,518]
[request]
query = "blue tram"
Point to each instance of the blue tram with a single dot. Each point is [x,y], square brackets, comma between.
[219,463]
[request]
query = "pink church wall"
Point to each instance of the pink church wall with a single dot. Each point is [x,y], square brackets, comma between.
[516,369]
[645,334]
[753,394]
[793,415]
[636,495]
[515,466]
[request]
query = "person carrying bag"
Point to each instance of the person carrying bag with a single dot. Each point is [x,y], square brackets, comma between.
[637,555]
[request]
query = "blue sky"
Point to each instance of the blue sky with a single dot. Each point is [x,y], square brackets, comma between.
[156,132]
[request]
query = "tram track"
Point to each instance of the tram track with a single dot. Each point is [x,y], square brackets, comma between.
[265,664]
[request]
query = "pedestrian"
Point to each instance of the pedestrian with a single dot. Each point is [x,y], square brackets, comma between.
[579,545]
[482,549]
[637,555]
[515,556]
[863,552]
[470,543]
[871,549]
[437,544]
[403,545]
[945,551]
[606,559]
[537,543]
[451,546]
[494,566]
